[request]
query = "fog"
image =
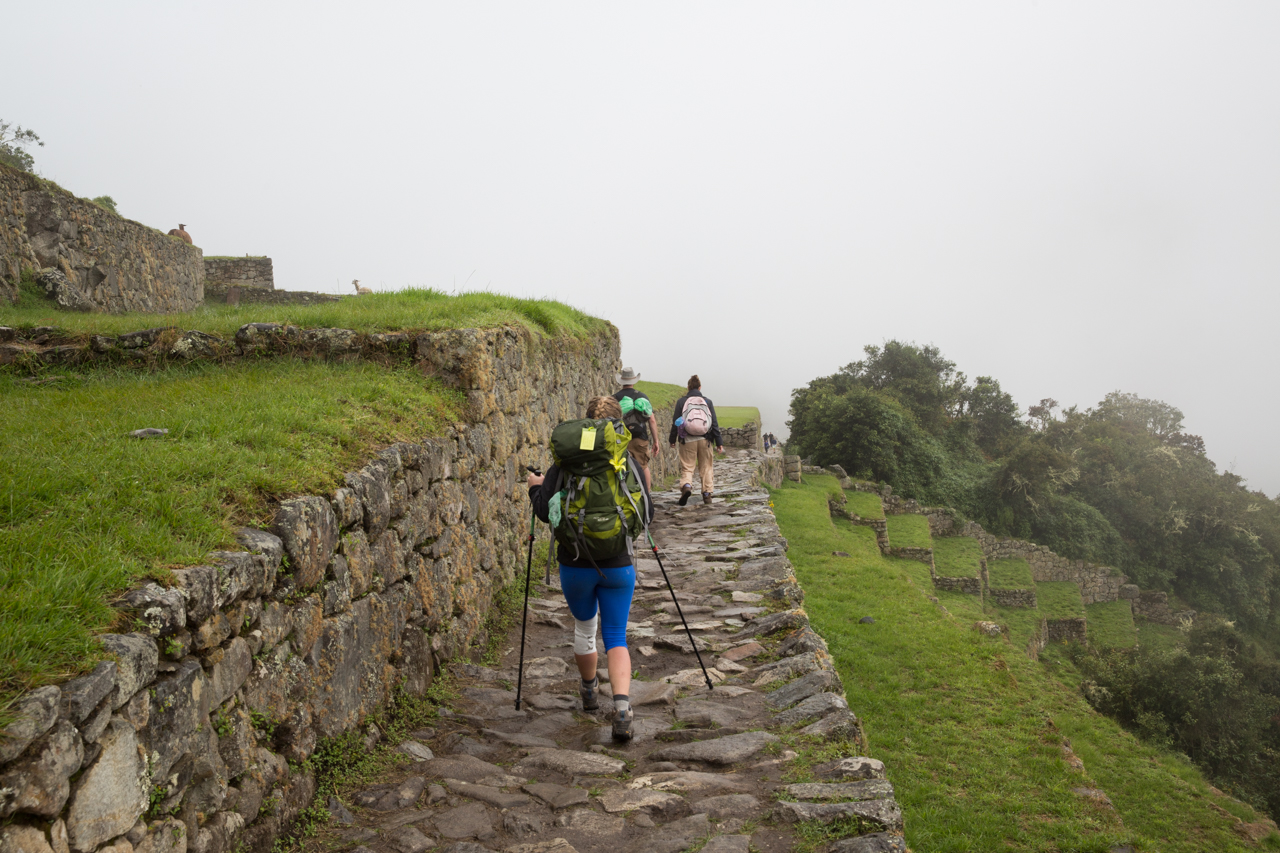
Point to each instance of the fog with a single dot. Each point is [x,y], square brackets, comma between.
[1073,198]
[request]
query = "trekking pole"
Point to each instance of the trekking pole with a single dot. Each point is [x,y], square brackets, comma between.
[680,612]
[524,622]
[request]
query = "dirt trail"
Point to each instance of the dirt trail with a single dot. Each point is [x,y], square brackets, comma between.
[726,770]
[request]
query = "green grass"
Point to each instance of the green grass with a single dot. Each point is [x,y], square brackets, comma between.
[1110,625]
[909,531]
[957,556]
[864,504]
[1022,622]
[1159,636]
[1010,573]
[86,510]
[737,416]
[412,310]
[970,729]
[1059,600]
[663,395]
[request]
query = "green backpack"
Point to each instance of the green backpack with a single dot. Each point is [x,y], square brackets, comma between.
[635,412]
[598,507]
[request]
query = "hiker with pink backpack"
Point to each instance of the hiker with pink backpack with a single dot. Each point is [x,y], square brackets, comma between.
[695,429]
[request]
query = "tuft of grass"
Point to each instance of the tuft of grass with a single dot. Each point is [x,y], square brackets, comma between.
[1010,573]
[86,510]
[864,504]
[411,310]
[909,531]
[969,728]
[957,556]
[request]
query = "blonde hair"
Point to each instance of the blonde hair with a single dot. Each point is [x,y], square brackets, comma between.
[604,407]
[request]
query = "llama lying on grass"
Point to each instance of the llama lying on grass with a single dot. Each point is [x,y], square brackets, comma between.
[360,291]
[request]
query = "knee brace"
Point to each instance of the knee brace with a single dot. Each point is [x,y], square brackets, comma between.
[584,635]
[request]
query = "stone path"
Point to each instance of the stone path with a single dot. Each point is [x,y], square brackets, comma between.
[721,768]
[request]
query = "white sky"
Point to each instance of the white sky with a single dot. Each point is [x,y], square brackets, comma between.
[1072,197]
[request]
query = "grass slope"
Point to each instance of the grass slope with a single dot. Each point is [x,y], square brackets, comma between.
[957,556]
[1110,625]
[1010,573]
[1059,600]
[970,728]
[418,310]
[864,504]
[663,395]
[737,416]
[86,510]
[909,531]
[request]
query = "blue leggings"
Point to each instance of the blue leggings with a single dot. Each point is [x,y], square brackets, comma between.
[586,591]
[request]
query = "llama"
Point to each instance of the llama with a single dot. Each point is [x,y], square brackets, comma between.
[180,231]
[360,291]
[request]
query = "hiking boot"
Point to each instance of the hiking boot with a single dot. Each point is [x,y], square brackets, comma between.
[685,491]
[706,497]
[588,692]
[622,721]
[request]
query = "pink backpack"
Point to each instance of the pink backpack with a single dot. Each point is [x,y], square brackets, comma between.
[697,416]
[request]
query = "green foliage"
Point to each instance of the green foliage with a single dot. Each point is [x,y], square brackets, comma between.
[13,146]
[970,727]
[106,202]
[1215,698]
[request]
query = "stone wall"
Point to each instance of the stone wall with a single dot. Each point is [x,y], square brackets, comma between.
[791,466]
[112,264]
[194,737]
[1070,630]
[746,436]
[1097,583]
[254,273]
[1154,606]
[236,295]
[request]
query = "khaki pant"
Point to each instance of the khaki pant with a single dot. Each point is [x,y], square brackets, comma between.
[697,452]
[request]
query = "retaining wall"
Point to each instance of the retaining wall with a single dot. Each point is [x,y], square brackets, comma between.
[747,436]
[113,264]
[249,273]
[1097,583]
[195,736]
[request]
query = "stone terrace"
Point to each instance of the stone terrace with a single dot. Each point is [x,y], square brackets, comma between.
[715,767]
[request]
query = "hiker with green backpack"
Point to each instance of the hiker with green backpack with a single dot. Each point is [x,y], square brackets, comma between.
[597,504]
[637,414]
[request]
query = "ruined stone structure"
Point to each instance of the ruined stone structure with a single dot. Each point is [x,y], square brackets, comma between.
[209,710]
[745,436]
[1097,583]
[95,258]
[246,273]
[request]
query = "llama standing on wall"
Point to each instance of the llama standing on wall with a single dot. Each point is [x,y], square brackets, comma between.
[360,290]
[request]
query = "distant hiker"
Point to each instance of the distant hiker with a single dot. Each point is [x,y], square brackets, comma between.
[596,503]
[637,414]
[694,425]
[181,232]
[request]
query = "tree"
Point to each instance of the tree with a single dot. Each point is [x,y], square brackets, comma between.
[926,383]
[106,202]
[13,144]
[993,412]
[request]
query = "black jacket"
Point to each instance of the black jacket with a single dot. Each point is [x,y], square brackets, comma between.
[540,497]
[713,434]
[641,432]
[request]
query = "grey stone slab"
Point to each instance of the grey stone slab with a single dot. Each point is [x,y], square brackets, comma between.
[468,847]
[407,839]
[415,750]
[557,796]
[522,739]
[837,724]
[552,702]
[728,844]
[817,705]
[109,796]
[34,714]
[691,781]
[570,763]
[591,823]
[632,799]
[464,767]
[486,794]
[724,750]
[884,813]
[871,789]
[472,820]
[81,695]
[727,805]
[555,845]
[876,842]
[23,839]
[675,836]
[136,658]
[801,689]
[653,693]
[851,769]
[705,714]
[38,783]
